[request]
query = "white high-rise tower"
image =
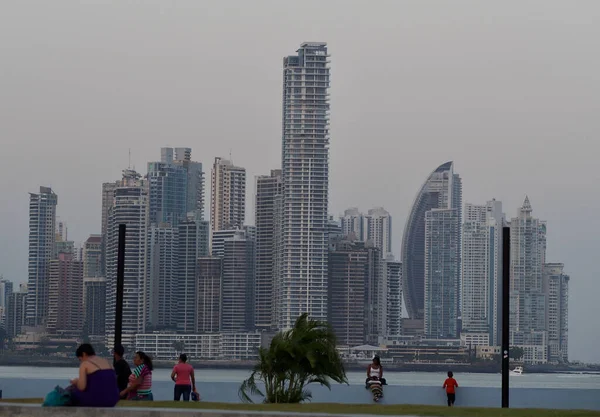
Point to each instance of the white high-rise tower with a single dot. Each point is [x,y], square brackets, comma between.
[305,169]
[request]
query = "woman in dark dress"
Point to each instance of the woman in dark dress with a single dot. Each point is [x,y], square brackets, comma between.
[97,382]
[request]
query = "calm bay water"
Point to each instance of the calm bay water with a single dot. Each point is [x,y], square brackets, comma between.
[20,382]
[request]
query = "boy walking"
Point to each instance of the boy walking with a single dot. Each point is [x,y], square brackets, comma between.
[450,385]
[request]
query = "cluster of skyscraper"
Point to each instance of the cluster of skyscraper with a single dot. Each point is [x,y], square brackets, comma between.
[185,275]
[452,273]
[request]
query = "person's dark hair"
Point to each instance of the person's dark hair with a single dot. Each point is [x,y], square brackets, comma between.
[450,374]
[146,359]
[183,358]
[119,350]
[86,348]
[377,361]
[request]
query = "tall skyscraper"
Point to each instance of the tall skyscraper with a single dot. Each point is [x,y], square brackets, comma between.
[228,195]
[42,228]
[16,312]
[6,289]
[482,274]
[348,275]
[527,300]
[209,294]
[268,189]
[377,227]
[556,288]
[237,284]
[441,190]
[94,300]
[162,275]
[92,257]
[352,224]
[65,295]
[167,184]
[130,207]
[305,170]
[442,273]
[192,243]
[393,295]
[108,197]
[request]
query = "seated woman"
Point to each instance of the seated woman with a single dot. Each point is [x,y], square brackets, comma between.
[97,382]
[140,380]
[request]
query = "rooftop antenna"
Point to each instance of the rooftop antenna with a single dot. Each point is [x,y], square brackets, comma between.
[129,166]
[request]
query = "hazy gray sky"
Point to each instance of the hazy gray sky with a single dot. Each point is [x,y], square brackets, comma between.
[508,90]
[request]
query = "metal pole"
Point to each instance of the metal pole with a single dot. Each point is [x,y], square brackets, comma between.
[505,312]
[120,284]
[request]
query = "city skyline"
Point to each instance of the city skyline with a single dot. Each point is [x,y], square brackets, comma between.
[424,108]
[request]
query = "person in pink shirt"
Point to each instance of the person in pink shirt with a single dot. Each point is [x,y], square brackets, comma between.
[185,381]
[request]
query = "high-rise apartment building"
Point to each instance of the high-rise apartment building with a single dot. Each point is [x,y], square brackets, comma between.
[482,273]
[441,190]
[348,275]
[208,317]
[352,224]
[92,257]
[556,289]
[527,299]
[268,189]
[228,195]
[192,243]
[65,295]
[377,228]
[167,185]
[94,304]
[130,207]
[237,284]
[16,307]
[393,296]
[42,228]
[442,273]
[305,170]
[162,275]
[6,289]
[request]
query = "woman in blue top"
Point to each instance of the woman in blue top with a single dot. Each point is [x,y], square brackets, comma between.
[97,382]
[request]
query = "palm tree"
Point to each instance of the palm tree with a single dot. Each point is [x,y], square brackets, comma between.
[303,355]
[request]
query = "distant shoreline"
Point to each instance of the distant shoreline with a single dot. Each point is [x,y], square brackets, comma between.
[487,368]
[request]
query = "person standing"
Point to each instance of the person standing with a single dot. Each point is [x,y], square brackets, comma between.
[450,385]
[121,368]
[184,378]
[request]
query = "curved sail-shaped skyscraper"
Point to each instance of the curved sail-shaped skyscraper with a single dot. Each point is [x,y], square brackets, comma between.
[441,190]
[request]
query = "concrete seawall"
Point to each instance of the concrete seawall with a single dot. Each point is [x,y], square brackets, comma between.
[227,392]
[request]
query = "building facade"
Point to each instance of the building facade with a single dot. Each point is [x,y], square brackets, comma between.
[163,262]
[208,316]
[94,296]
[92,257]
[442,273]
[228,195]
[352,224]
[393,291]
[527,299]
[192,243]
[305,170]
[482,272]
[377,227]
[556,289]
[441,190]
[65,295]
[237,284]
[348,275]
[268,189]
[42,229]
[16,313]
[130,207]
